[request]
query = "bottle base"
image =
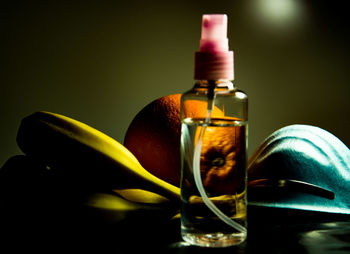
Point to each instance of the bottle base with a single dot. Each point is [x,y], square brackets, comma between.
[214,239]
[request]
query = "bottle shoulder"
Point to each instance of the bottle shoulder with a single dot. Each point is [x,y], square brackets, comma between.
[231,101]
[240,94]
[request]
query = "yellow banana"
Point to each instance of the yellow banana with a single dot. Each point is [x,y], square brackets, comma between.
[75,150]
[112,207]
[141,196]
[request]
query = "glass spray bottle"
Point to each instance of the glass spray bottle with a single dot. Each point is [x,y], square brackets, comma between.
[214,131]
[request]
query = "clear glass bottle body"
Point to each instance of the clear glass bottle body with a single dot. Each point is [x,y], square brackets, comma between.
[223,163]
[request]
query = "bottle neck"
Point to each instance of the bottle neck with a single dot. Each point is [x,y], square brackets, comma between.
[220,84]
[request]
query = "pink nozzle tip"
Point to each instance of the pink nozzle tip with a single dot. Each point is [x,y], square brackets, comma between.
[214,33]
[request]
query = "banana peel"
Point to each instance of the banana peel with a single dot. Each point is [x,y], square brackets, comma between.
[88,157]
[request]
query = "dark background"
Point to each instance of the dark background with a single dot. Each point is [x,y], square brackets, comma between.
[101,61]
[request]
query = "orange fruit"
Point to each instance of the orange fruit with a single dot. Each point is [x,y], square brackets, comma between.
[153,137]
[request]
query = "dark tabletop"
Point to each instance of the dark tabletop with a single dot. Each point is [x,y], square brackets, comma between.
[269,231]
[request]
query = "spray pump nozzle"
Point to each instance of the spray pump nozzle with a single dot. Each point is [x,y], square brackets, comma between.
[214,61]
